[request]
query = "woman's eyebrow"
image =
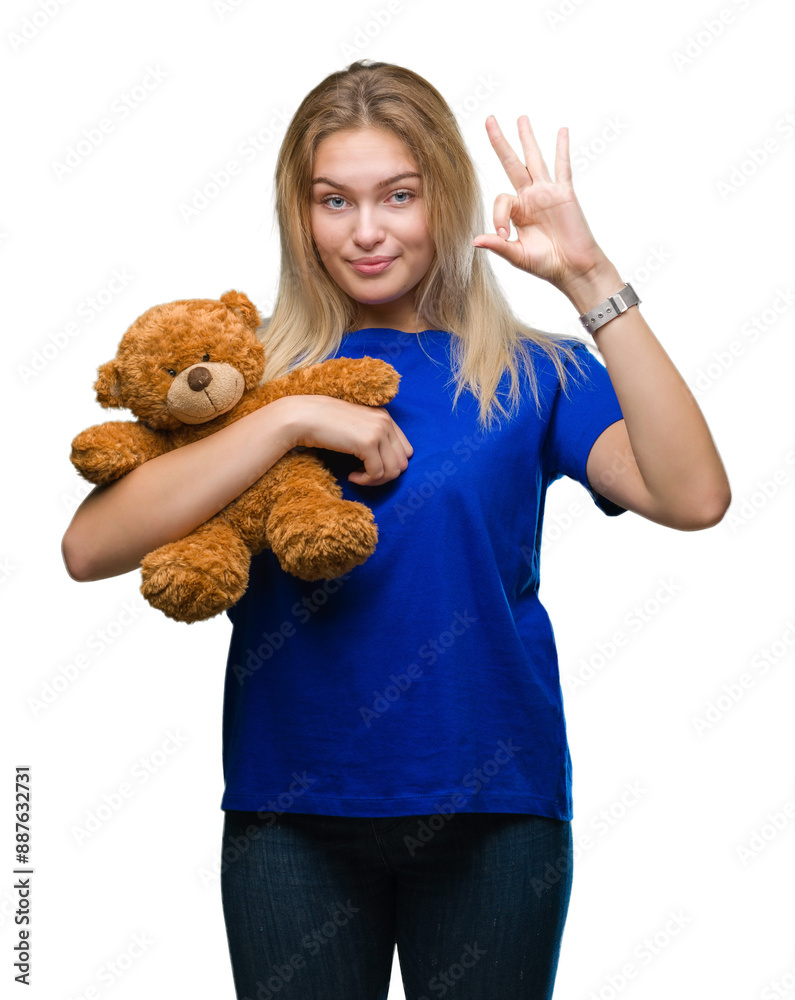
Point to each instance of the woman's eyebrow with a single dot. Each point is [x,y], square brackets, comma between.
[383,184]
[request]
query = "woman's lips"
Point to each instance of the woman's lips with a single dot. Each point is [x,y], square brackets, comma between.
[364,268]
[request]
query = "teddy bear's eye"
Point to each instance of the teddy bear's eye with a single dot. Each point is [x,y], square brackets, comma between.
[171,371]
[206,357]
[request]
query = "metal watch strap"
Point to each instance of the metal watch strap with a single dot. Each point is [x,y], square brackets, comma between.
[610,308]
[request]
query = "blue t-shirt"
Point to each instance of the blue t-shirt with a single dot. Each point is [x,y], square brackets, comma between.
[425,680]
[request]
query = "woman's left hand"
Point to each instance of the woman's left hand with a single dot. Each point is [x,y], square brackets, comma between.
[553,240]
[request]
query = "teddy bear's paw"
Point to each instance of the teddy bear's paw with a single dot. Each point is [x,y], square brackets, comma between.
[377,381]
[196,577]
[310,550]
[101,462]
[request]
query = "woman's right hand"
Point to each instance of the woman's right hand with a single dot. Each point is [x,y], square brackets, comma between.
[368,432]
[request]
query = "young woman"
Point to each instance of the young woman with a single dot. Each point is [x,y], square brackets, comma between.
[394,746]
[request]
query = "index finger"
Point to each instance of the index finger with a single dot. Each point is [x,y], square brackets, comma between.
[519,174]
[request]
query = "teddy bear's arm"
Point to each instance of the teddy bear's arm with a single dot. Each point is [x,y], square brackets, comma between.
[357,380]
[106,452]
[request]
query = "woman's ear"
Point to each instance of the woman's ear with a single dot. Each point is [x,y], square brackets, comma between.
[108,385]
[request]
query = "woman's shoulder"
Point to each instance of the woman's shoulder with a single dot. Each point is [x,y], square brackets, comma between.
[570,353]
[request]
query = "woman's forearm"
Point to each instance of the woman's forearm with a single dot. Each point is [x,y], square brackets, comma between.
[167,497]
[670,439]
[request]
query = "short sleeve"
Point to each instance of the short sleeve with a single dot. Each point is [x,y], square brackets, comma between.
[578,417]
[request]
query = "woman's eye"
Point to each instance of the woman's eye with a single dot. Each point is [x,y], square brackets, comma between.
[405,198]
[206,357]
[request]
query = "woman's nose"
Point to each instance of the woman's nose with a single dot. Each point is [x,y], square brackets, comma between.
[367,230]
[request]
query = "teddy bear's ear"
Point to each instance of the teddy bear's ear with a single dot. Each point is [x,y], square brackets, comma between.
[242,306]
[108,385]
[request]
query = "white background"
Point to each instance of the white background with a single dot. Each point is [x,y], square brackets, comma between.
[665,107]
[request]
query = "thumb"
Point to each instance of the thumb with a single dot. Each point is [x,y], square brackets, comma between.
[503,248]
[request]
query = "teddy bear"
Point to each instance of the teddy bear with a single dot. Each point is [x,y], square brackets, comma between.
[186,369]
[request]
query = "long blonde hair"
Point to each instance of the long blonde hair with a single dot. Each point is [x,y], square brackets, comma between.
[459,293]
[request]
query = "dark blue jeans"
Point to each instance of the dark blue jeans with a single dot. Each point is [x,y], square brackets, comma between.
[315,905]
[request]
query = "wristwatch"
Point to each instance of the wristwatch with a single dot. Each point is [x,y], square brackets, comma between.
[610,308]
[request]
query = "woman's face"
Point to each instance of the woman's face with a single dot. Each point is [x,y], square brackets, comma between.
[361,207]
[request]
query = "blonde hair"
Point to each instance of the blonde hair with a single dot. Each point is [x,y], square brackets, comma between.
[459,293]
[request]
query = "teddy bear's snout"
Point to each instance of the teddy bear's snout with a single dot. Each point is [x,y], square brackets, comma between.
[199,378]
[204,391]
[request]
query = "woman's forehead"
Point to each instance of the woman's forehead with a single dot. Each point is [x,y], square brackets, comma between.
[364,148]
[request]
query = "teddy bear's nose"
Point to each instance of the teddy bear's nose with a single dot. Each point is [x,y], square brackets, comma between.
[199,378]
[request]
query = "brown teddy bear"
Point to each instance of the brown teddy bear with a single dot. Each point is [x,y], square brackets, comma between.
[187,369]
